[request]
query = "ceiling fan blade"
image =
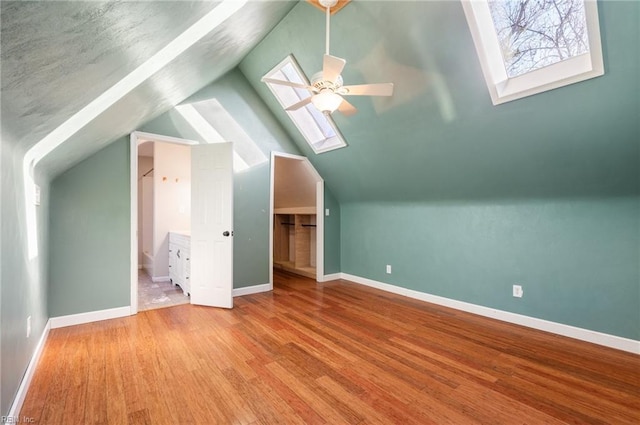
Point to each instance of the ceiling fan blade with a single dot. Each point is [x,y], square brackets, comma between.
[346,108]
[299,105]
[332,67]
[382,89]
[286,83]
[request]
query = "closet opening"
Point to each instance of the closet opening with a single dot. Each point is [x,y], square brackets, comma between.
[297,224]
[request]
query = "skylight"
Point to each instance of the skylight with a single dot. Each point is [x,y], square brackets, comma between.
[215,125]
[318,129]
[530,46]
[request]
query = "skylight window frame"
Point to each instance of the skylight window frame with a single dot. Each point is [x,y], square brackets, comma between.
[337,140]
[505,89]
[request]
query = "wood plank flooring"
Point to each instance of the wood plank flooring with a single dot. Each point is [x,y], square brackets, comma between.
[335,353]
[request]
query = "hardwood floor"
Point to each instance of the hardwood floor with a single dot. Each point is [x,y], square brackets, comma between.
[336,353]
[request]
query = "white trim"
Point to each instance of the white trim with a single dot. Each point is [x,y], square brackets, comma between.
[319,226]
[330,277]
[18,400]
[160,279]
[255,289]
[612,341]
[319,211]
[89,317]
[272,170]
[143,137]
[133,220]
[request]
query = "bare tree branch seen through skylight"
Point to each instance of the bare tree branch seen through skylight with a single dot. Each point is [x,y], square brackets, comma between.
[537,33]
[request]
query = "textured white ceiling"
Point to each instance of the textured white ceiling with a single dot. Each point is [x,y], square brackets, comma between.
[57,57]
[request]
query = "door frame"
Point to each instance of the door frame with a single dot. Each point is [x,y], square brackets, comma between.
[319,214]
[135,139]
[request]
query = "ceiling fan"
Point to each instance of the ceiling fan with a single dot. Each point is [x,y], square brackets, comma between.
[326,85]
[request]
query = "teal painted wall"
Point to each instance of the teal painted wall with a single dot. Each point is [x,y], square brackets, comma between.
[251,227]
[89,237]
[23,283]
[577,260]
[331,233]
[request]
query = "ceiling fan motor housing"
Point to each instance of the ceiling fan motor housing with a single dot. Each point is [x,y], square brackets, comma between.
[321,84]
[328,3]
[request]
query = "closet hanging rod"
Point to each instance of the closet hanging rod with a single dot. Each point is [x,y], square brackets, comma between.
[287,224]
[308,225]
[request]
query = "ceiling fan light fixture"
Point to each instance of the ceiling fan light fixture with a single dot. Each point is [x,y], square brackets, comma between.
[326,101]
[327,84]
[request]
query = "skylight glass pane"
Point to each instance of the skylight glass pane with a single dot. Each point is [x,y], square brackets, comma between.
[292,75]
[321,121]
[538,33]
[317,128]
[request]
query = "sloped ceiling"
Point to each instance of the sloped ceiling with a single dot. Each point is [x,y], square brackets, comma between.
[294,185]
[439,137]
[57,57]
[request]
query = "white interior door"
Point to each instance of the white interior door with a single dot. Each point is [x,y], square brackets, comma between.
[212,225]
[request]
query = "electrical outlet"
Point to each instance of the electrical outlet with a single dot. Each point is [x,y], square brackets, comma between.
[517,291]
[28,326]
[388,269]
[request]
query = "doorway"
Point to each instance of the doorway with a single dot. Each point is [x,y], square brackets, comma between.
[164,207]
[296,217]
[209,245]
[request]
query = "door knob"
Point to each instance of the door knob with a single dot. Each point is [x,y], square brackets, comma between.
[226,233]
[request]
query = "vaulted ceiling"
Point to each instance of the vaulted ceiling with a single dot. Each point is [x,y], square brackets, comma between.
[58,57]
[438,137]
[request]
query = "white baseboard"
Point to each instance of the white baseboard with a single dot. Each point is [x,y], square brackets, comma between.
[160,279]
[91,316]
[587,335]
[330,277]
[255,289]
[16,406]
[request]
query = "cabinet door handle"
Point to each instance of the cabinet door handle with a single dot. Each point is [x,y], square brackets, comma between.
[178,253]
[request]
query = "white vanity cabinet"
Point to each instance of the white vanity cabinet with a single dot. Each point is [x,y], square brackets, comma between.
[179,260]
